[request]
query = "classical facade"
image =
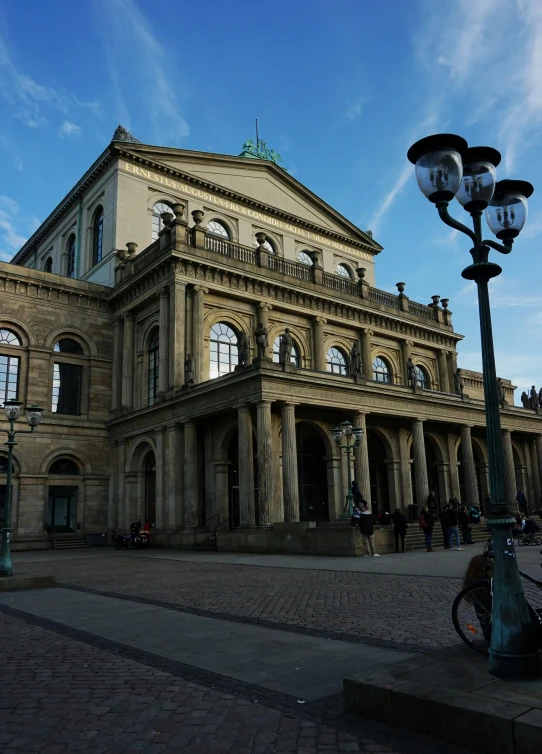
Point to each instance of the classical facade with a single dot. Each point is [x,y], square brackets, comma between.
[195,325]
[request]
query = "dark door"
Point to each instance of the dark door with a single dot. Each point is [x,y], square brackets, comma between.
[312,474]
[62,508]
[233,482]
[150,489]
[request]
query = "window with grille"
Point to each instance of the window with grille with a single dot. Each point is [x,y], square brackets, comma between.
[422,378]
[267,244]
[305,258]
[70,264]
[157,224]
[97,236]
[67,380]
[68,345]
[154,358]
[381,370]
[9,366]
[336,361]
[223,350]
[218,228]
[343,271]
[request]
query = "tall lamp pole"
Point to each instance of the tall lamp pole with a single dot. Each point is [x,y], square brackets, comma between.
[447,167]
[13,410]
[352,437]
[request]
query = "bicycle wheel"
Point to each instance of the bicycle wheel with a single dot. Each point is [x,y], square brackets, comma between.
[471,615]
[522,541]
[537,542]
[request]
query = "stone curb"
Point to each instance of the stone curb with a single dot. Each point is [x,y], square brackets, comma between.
[13,583]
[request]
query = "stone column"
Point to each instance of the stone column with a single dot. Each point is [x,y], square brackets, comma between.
[406,479]
[112,506]
[265,463]
[367,354]
[319,353]
[454,472]
[116,365]
[469,472]
[263,311]
[290,484]
[535,475]
[177,323]
[174,476]
[406,354]
[361,458]
[221,484]
[538,442]
[190,518]
[247,514]
[510,490]
[443,372]
[160,477]
[163,369]
[420,463]
[128,362]
[123,505]
[198,330]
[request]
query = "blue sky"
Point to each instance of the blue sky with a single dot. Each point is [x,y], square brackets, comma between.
[341,89]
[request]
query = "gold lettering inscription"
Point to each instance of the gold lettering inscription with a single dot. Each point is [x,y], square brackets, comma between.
[254,215]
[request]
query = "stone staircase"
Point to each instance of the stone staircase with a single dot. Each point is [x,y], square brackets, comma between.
[415,537]
[67,542]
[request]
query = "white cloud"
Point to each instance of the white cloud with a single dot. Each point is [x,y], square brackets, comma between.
[503,293]
[69,129]
[355,111]
[389,198]
[30,101]
[137,59]
[10,239]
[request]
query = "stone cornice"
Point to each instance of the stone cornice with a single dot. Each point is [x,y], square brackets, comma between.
[258,283]
[373,247]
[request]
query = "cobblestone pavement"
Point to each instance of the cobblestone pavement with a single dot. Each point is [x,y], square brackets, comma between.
[404,612]
[64,692]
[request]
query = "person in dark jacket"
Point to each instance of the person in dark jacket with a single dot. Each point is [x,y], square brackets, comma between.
[443,518]
[530,526]
[522,503]
[399,528]
[427,522]
[453,532]
[465,526]
[432,505]
[367,530]
[356,494]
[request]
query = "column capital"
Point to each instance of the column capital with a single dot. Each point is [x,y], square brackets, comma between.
[265,305]
[368,331]
[320,320]
[243,407]
[200,289]
[289,404]
[164,292]
[509,431]
[407,342]
[264,402]
[419,419]
[128,317]
[466,427]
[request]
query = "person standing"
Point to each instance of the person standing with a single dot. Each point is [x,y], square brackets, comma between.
[399,528]
[356,494]
[367,530]
[487,505]
[522,502]
[453,531]
[432,505]
[464,525]
[427,522]
[443,518]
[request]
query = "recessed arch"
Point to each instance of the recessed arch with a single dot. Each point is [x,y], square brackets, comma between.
[139,448]
[19,462]
[70,453]
[145,332]
[75,333]
[344,270]
[20,328]
[158,208]
[218,227]
[299,336]
[337,360]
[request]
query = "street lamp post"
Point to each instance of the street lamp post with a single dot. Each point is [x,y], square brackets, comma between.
[13,410]
[447,167]
[352,436]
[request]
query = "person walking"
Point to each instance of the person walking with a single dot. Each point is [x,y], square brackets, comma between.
[453,532]
[522,502]
[399,528]
[465,525]
[367,530]
[427,522]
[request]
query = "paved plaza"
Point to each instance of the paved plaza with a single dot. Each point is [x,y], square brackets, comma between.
[204,652]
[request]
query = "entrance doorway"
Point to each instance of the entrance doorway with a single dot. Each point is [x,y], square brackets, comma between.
[150,488]
[62,508]
[377,474]
[312,474]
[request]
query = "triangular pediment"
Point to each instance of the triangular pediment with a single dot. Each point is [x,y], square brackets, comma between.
[259,181]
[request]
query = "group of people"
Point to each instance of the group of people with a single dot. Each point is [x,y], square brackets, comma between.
[453,518]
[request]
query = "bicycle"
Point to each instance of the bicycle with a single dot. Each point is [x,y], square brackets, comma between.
[529,539]
[471,609]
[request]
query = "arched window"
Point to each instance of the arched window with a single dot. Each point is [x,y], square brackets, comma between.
[217,228]
[422,378]
[305,258]
[294,358]
[269,245]
[9,366]
[4,465]
[68,345]
[65,467]
[70,263]
[344,271]
[157,224]
[381,370]
[336,361]
[97,236]
[48,266]
[154,357]
[223,350]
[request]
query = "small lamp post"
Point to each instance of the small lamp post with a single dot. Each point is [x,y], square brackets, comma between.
[13,410]
[447,167]
[352,436]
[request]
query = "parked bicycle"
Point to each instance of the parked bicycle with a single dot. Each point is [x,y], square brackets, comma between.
[471,609]
[529,539]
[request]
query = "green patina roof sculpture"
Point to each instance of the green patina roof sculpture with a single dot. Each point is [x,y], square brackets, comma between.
[260,151]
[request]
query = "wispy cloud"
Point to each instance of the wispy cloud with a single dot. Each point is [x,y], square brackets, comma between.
[404,175]
[503,293]
[69,129]
[28,100]
[10,239]
[355,111]
[137,60]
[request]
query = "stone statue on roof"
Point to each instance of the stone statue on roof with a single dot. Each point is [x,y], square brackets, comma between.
[121,134]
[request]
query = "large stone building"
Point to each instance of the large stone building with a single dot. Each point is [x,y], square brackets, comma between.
[131,316]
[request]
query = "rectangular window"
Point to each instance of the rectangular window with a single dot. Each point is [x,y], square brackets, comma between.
[9,377]
[67,389]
